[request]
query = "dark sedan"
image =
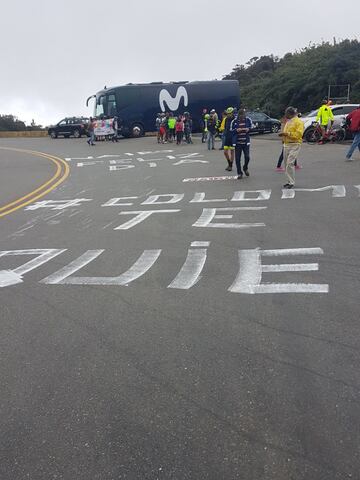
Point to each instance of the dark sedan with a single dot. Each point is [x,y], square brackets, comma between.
[74,126]
[263,123]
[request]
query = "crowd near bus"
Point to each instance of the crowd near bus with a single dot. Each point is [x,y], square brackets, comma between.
[234,127]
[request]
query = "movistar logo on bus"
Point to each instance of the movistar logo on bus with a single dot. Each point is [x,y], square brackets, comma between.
[173,102]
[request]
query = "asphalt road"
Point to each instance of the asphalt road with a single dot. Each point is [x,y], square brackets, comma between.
[130,352]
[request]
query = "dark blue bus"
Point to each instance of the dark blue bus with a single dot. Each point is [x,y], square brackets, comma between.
[137,105]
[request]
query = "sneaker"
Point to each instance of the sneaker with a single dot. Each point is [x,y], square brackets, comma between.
[247,173]
[288,185]
[280,169]
[298,167]
[347,159]
[239,177]
[229,169]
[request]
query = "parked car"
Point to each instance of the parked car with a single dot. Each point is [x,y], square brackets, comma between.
[263,123]
[72,126]
[340,112]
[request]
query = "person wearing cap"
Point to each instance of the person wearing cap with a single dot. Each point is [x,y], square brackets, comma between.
[229,149]
[214,114]
[211,131]
[292,140]
[241,127]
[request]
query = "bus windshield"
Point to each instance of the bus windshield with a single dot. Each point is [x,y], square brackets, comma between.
[105,105]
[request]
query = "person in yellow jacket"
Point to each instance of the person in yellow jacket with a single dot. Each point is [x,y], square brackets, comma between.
[292,140]
[325,116]
[222,129]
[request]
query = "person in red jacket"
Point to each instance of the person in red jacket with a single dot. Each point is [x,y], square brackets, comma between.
[353,119]
[179,129]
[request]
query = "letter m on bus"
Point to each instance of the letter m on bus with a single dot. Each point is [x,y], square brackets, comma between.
[173,103]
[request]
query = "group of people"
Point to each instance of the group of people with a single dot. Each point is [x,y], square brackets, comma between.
[235,128]
[112,125]
[174,129]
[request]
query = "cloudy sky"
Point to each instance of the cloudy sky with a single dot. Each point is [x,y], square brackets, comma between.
[54,54]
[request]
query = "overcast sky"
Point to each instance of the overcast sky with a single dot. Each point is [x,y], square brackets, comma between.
[54,54]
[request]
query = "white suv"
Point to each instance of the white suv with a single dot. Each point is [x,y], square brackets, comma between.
[340,112]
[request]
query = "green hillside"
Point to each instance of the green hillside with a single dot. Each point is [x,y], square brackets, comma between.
[299,79]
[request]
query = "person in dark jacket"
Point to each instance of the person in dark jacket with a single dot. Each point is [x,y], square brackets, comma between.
[240,128]
[91,132]
[115,126]
[203,122]
[211,131]
[188,127]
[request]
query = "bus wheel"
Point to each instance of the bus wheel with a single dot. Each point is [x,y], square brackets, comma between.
[137,130]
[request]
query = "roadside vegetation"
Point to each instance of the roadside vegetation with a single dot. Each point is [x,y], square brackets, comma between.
[10,123]
[300,79]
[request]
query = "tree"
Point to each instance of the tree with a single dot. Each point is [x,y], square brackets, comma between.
[11,123]
[300,79]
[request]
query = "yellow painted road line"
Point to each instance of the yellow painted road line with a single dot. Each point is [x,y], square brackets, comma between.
[61,174]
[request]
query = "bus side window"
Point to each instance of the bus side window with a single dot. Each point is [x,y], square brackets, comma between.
[111,106]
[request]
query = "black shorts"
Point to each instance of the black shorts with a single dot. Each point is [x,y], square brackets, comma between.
[228,140]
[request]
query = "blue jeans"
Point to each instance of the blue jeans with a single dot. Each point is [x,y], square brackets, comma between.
[210,140]
[91,138]
[355,144]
